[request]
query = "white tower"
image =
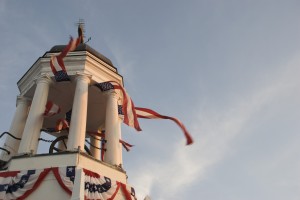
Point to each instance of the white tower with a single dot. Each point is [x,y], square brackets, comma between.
[73,168]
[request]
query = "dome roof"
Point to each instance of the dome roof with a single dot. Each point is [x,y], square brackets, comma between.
[83,47]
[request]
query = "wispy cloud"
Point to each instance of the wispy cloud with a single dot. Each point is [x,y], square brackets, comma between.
[123,57]
[218,130]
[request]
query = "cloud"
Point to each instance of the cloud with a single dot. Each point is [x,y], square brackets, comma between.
[217,130]
[124,59]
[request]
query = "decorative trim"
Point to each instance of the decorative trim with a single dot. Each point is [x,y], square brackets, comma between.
[59,180]
[20,184]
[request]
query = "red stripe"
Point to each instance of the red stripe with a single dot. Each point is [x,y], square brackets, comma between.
[9,174]
[61,183]
[91,174]
[65,51]
[125,192]
[52,67]
[60,62]
[125,145]
[125,102]
[157,115]
[61,124]
[114,195]
[136,123]
[125,105]
[48,107]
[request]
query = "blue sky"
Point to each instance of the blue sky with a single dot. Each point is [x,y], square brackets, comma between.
[229,70]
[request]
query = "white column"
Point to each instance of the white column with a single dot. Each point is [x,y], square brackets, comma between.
[62,145]
[112,130]
[79,186]
[16,128]
[120,150]
[32,130]
[79,113]
[95,141]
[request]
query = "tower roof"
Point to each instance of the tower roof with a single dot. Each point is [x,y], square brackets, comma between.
[83,47]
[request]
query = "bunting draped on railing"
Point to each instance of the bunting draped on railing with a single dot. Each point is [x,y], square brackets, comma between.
[101,187]
[65,177]
[57,64]
[20,184]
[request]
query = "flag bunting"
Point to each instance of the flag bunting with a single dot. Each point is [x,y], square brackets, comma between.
[62,124]
[132,113]
[150,114]
[101,187]
[126,145]
[128,109]
[57,64]
[51,109]
[20,184]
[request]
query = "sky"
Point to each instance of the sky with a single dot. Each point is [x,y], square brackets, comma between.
[229,70]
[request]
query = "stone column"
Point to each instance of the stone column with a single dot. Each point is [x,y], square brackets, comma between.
[79,113]
[120,149]
[79,185]
[95,141]
[112,129]
[32,130]
[62,145]
[16,128]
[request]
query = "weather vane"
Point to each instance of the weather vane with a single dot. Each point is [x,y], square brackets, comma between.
[81,30]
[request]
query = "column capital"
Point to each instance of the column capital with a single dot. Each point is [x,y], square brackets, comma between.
[43,78]
[111,93]
[23,100]
[83,76]
[121,118]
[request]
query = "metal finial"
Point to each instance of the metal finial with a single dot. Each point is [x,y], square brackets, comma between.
[81,29]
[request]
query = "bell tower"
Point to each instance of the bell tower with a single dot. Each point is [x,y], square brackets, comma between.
[85,158]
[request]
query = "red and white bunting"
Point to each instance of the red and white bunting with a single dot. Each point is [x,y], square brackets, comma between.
[128,108]
[151,114]
[132,113]
[56,62]
[51,109]
[126,145]
[61,124]
[19,185]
